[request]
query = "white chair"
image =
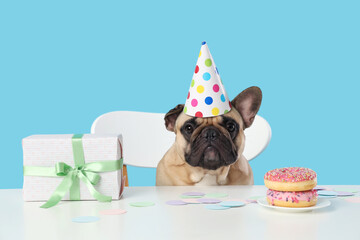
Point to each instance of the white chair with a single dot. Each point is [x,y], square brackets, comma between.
[146,139]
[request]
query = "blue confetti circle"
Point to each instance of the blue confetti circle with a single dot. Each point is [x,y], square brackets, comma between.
[216,207]
[85,219]
[232,204]
[222,98]
[203,43]
[208,100]
[206,76]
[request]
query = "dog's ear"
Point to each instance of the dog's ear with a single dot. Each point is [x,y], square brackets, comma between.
[247,103]
[171,116]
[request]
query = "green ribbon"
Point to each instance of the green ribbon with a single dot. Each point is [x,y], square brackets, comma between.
[86,172]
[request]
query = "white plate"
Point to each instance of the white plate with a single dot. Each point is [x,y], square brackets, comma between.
[321,203]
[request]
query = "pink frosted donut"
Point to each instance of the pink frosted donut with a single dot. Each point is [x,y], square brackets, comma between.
[290,179]
[292,199]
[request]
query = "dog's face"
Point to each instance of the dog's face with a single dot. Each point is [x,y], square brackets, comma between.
[213,142]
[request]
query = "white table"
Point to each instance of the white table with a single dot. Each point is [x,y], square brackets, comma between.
[19,220]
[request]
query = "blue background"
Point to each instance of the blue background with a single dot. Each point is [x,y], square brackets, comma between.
[64,63]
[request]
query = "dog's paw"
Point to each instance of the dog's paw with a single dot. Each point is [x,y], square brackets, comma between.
[222,181]
[196,177]
[222,177]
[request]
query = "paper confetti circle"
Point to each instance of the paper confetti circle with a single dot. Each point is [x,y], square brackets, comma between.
[216,195]
[344,194]
[326,193]
[318,188]
[190,196]
[207,96]
[191,200]
[216,207]
[142,204]
[208,200]
[176,202]
[347,189]
[85,219]
[113,212]
[353,199]
[193,194]
[232,204]
[251,201]
[327,196]
[236,200]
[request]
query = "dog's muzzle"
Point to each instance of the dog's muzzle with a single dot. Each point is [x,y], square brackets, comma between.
[211,149]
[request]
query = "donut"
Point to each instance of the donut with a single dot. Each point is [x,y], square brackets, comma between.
[290,179]
[292,199]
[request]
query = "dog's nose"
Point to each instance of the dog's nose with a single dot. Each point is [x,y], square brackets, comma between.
[210,133]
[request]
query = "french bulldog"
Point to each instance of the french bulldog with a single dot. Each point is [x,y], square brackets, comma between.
[208,151]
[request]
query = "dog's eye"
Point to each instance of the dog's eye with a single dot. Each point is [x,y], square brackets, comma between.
[189,128]
[230,127]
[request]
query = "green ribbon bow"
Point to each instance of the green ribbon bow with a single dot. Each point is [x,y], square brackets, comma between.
[86,172]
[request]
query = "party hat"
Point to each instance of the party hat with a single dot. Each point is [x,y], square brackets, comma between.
[207,96]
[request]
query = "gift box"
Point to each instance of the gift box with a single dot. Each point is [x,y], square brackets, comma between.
[72,167]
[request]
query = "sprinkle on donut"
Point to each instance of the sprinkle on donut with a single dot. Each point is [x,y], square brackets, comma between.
[293,197]
[290,174]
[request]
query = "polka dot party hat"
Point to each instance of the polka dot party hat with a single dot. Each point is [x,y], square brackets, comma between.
[207,96]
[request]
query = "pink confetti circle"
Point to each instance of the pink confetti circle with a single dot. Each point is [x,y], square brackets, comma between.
[191,200]
[353,199]
[216,88]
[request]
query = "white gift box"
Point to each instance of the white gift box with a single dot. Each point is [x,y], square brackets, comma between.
[47,150]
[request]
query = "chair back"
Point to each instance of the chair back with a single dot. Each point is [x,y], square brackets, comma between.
[146,140]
